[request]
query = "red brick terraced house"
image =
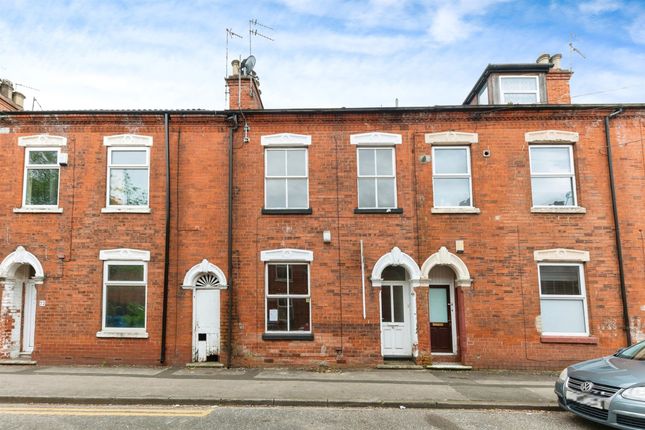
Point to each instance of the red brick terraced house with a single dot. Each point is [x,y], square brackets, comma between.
[506,232]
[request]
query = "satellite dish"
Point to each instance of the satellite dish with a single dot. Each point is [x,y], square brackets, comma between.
[247,65]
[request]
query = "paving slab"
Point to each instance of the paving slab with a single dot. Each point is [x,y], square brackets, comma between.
[370,387]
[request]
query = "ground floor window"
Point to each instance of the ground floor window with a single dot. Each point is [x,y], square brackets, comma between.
[124,295]
[288,304]
[563,299]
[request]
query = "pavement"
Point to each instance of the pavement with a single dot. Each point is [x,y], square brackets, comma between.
[278,387]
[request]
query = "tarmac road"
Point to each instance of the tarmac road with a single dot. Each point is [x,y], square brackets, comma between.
[53,417]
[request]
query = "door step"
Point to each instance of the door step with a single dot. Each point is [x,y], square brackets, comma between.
[399,364]
[449,366]
[17,362]
[205,364]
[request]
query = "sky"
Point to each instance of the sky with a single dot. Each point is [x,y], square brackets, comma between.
[171,54]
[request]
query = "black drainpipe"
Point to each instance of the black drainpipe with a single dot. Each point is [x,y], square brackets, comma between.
[619,247]
[162,354]
[229,347]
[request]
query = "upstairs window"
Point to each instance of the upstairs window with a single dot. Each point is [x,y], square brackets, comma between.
[376,178]
[128,177]
[286,183]
[42,173]
[519,89]
[451,179]
[552,175]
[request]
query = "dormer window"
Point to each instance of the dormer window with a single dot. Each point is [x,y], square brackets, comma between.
[519,89]
[482,97]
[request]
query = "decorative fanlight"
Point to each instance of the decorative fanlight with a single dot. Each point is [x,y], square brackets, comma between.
[207,280]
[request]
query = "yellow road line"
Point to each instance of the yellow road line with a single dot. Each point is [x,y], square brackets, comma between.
[106,411]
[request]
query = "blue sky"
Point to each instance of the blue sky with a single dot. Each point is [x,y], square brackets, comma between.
[105,54]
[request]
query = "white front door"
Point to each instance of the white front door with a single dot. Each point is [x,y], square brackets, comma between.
[206,327]
[396,336]
[29,317]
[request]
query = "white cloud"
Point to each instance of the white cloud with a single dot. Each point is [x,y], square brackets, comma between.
[595,7]
[637,29]
[453,21]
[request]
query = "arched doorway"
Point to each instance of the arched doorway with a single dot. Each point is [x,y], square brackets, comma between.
[206,280]
[20,272]
[396,273]
[445,271]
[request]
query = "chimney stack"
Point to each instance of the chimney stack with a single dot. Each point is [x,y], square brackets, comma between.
[558,90]
[243,89]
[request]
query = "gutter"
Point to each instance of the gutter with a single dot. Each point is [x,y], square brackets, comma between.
[229,344]
[619,247]
[162,353]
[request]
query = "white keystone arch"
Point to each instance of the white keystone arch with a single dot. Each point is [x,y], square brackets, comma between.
[446,258]
[17,258]
[396,258]
[203,268]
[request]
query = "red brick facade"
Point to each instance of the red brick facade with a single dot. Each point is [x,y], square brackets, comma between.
[498,313]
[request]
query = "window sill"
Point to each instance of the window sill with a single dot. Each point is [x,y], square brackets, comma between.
[463,210]
[287,211]
[558,210]
[125,334]
[287,336]
[379,211]
[126,210]
[38,210]
[588,340]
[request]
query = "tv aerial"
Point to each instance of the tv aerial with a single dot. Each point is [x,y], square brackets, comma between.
[253,31]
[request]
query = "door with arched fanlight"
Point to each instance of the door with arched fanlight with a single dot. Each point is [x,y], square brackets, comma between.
[206,318]
[206,280]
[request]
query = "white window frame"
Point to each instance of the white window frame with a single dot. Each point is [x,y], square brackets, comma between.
[571,175]
[582,297]
[27,167]
[286,296]
[467,175]
[286,177]
[126,208]
[502,92]
[42,142]
[375,177]
[107,283]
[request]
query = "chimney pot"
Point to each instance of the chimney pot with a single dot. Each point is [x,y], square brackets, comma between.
[555,60]
[6,88]
[235,64]
[19,99]
[543,59]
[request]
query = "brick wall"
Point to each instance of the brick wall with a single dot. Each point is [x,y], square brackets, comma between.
[498,312]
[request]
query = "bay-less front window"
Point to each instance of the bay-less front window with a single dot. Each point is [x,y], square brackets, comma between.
[451,180]
[519,89]
[286,179]
[124,295]
[288,307]
[376,178]
[552,175]
[563,299]
[41,178]
[128,177]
